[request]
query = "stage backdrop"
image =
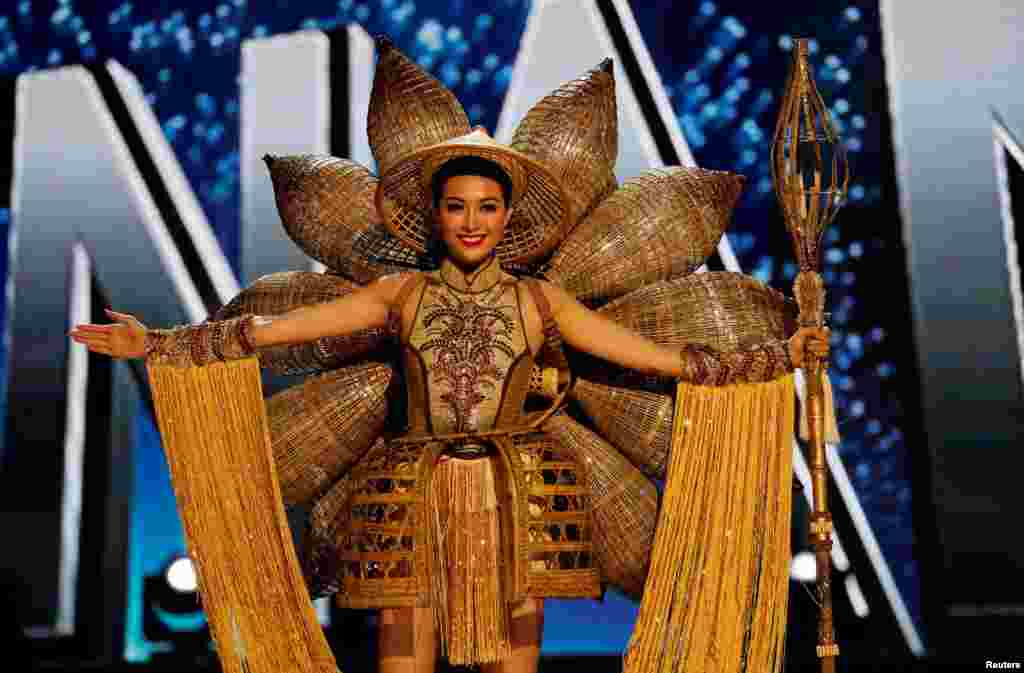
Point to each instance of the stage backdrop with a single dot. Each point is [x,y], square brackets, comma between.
[701,82]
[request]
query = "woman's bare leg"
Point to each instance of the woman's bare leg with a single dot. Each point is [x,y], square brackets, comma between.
[407,642]
[525,632]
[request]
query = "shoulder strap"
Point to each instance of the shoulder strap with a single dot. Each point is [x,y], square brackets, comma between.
[395,314]
[552,337]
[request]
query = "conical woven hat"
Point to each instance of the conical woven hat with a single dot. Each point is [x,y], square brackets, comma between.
[542,210]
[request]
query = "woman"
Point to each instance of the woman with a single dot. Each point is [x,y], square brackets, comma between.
[470,333]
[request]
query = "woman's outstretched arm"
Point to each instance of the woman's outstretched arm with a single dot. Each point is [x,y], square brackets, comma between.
[366,308]
[593,333]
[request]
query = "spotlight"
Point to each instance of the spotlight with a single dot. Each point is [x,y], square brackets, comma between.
[175,589]
[803,567]
[172,610]
[181,576]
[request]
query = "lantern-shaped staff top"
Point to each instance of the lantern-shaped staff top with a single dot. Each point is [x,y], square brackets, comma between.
[809,166]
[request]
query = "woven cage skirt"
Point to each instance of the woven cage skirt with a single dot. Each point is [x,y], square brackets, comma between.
[393,530]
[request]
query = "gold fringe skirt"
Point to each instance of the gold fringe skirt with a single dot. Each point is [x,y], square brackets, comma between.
[471,611]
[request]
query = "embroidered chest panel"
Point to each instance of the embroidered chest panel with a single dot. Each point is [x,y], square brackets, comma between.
[469,343]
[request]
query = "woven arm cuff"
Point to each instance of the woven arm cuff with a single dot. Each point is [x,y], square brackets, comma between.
[706,366]
[197,345]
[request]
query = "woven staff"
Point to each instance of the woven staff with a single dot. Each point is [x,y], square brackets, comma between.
[811,175]
[278,293]
[660,225]
[216,438]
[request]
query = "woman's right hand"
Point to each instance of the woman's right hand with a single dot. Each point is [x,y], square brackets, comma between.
[124,338]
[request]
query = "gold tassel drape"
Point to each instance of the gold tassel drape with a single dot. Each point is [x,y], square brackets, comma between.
[716,595]
[215,435]
[470,607]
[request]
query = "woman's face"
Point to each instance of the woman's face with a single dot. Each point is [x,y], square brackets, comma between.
[471,218]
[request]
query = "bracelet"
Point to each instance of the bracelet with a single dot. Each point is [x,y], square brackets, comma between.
[695,366]
[201,344]
[245,334]
[154,341]
[200,349]
[217,334]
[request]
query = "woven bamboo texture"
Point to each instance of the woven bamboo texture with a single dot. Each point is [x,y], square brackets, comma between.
[720,309]
[723,310]
[637,422]
[409,109]
[542,211]
[327,207]
[386,549]
[623,501]
[810,170]
[657,226]
[726,311]
[325,535]
[559,520]
[278,293]
[320,427]
[574,132]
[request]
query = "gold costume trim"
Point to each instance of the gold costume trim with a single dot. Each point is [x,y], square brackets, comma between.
[468,595]
[716,593]
[217,443]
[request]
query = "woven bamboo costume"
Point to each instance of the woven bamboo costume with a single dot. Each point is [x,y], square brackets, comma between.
[404,536]
[561,487]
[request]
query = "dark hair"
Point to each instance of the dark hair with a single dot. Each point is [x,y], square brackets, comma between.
[470,165]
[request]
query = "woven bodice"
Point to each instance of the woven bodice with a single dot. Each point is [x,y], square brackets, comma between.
[466,358]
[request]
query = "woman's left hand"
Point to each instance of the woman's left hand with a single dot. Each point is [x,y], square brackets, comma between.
[813,340]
